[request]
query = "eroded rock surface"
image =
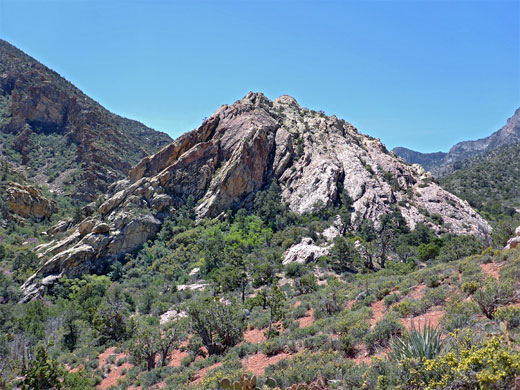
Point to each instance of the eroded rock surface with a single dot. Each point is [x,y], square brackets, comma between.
[514,242]
[241,149]
[29,202]
[304,252]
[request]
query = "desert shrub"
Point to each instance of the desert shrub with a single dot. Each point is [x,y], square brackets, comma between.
[219,325]
[488,365]
[306,367]
[427,251]
[355,322]
[299,312]
[435,296]
[493,295]
[458,313]
[274,346]
[469,288]
[305,284]
[389,300]
[294,270]
[319,341]
[385,329]
[510,315]
[409,307]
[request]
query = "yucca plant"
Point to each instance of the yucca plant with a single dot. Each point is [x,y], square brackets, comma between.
[418,343]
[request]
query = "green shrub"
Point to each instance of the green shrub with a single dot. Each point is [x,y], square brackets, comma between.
[274,346]
[458,314]
[493,295]
[389,300]
[469,288]
[489,365]
[385,329]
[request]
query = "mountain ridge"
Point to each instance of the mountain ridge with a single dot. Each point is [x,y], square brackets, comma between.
[441,163]
[82,143]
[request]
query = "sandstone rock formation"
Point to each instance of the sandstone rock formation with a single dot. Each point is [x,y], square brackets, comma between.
[29,202]
[514,242]
[241,149]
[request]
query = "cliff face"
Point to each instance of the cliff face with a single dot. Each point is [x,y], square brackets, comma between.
[444,163]
[241,149]
[58,135]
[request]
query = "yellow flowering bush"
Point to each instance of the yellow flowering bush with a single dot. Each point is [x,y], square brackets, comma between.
[490,365]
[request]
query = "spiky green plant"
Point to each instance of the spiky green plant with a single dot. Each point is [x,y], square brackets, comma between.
[418,343]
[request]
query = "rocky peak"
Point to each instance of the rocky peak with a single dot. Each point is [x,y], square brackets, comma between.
[240,150]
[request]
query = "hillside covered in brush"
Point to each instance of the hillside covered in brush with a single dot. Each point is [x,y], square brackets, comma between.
[490,182]
[273,241]
[57,136]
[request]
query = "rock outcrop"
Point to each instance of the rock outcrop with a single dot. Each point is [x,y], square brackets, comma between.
[29,202]
[304,252]
[241,149]
[98,147]
[514,242]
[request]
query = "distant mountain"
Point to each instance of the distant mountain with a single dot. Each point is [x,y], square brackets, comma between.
[444,163]
[426,160]
[55,135]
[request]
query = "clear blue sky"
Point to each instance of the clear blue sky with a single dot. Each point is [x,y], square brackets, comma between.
[421,74]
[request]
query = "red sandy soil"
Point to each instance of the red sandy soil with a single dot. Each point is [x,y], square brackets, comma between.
[378,310]
[362,355]
[258,362]
[115,371]
[418,291]
[432,317]
[491,269]
[254,336]
[350,303]
[297,303]
[177,356]
[307,320]
[198,377]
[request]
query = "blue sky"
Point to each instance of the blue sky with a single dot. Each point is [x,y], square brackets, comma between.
[421,74]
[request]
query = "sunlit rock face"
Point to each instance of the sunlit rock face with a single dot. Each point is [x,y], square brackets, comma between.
[240,150]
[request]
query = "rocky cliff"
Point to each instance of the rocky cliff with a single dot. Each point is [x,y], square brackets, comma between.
[239,150]
[443,163]
[57,135]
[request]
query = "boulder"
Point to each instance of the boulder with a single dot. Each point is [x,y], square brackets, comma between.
[29,202]
[514,242]
[304,252]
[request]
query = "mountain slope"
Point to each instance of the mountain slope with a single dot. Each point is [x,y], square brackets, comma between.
[241,149]
[490,182]
[56,135]
[443,163]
